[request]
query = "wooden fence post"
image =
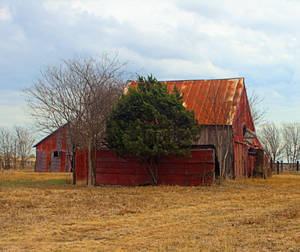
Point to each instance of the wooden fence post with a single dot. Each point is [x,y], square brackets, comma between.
[277,167]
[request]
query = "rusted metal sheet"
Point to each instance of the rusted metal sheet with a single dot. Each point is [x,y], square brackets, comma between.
[53,153]
[213,101]
[112,170]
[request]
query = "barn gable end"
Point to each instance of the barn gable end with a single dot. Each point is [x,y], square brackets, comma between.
[53,153]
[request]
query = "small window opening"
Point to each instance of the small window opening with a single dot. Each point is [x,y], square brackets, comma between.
[55,154]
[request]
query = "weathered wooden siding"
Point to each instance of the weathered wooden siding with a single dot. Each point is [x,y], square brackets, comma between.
[208,137]
[41,161]
[197,170]
[81,167]
[112,170]
[58,142]
[243,162]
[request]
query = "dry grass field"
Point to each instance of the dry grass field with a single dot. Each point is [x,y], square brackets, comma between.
[41,212]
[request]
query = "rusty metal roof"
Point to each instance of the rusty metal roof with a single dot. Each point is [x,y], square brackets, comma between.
[214,102]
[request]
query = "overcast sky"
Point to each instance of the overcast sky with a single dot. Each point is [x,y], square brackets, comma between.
[192,39]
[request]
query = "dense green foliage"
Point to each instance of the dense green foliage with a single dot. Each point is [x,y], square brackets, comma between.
[149,123]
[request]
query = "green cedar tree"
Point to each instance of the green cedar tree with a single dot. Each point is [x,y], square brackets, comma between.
[149,123]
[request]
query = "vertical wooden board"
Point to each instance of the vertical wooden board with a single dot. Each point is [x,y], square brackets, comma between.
[251,164]
[241,159]
[48,162]
[55,164]
[81,167]
[235,154]
[112,170]
[40,161]
[62,161]
[247,164]
[197,170]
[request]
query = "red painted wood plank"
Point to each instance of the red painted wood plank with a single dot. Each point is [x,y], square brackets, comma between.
[112,170]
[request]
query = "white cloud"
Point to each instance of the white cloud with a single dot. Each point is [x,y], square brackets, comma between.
[4,14]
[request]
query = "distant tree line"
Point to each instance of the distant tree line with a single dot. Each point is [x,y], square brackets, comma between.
[281,142]
[15,147]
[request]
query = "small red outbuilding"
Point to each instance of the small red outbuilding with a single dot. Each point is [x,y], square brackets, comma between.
[54,152]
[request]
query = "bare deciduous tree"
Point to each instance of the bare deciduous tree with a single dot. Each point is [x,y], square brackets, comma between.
[291,141]
[24,144]
[7,149]
[13,145]
[80,93]
[258,112]
[269,136]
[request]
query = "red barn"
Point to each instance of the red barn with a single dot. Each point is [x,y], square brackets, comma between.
[54,152]
[227,146]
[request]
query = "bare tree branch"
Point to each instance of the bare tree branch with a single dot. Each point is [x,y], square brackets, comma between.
[270,138]
[291,140]
[24,143]
[80,93]
[258,112]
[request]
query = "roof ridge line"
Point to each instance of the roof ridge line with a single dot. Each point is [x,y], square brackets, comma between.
[234,78]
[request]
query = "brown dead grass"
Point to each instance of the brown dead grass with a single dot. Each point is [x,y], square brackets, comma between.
[240,215]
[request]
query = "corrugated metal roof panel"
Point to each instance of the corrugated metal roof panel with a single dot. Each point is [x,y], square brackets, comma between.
[213,101]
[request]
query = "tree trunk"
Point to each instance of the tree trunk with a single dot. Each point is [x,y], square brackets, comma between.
[22,163]
[152,170]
